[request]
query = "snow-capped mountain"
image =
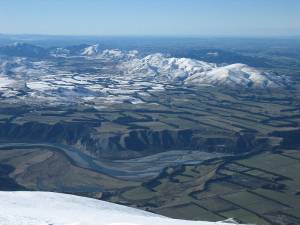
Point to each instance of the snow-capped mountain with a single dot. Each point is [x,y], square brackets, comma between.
[195,72]
[60,52]
[235,75]
[41,208]
[92,50]
[108,54]
[163,67]
[116,54]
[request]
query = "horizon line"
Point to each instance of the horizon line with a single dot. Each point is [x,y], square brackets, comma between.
[154,35]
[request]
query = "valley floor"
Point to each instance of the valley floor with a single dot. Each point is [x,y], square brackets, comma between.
[261,188]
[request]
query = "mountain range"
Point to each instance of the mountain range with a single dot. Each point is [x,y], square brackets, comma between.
[153,67]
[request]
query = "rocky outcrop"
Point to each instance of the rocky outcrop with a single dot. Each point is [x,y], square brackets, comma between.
[133,143]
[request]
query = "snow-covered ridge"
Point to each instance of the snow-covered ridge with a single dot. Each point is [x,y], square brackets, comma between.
[160,67]
[91,50]
[195,72]
[41,208]
[108,54]
[236,75]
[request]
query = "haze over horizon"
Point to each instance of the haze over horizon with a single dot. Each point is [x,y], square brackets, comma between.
[155,18]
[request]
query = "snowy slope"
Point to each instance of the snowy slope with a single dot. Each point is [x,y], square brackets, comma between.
[60,52]
[164,68]
[195,72]
[41,208]
[108,54]
[235,75]
[92,50]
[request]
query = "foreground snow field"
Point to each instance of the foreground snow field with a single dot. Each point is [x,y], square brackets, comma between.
[41,208]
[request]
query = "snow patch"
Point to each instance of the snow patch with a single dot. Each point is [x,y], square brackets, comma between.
[41,208]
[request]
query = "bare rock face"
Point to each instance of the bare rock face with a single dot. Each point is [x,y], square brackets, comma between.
[138,142]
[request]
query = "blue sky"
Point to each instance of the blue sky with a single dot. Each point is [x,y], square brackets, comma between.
[151,17]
